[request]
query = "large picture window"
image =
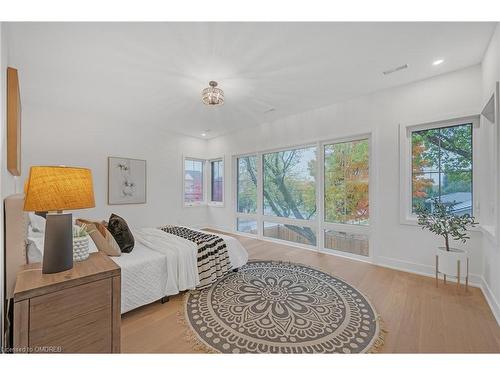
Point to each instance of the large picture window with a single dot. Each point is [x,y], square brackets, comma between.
[247,184]
[315,196]
[193,181]
[346,182]
[346,196]
[442,167]
[217,181]
[289,183]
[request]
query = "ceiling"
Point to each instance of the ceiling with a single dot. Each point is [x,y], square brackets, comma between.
[152,74]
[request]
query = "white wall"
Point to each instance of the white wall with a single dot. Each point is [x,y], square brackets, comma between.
[393,244]
[52,136]
[490,75]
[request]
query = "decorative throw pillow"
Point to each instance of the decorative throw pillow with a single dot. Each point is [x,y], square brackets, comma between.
[104,241]
[121,232]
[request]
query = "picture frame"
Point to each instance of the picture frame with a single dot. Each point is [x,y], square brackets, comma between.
[13,123]
[127,181]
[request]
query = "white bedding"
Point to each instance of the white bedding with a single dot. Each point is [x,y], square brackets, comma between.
[143,275]
[182,268]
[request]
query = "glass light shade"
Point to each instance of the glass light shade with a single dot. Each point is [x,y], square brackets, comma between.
[212,95]
[58,188]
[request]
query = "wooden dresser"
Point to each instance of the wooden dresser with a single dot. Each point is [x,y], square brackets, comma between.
[75,311]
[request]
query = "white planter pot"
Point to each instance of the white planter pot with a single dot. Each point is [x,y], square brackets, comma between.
[448,261]
[80,248]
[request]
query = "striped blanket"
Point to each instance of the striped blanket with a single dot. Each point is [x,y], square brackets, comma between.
[213,258]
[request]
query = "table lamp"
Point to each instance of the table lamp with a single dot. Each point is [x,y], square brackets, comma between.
[54,189]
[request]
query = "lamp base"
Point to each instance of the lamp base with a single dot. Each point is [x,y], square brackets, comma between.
[58,246]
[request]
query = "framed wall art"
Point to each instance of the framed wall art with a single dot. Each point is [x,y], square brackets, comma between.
[126,181]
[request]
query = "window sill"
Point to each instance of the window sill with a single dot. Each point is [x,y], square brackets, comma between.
[478,228]
[189,205]
[489,231]
[216,204]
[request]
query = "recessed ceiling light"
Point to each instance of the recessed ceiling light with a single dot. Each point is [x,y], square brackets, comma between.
[205,133]
[437,62]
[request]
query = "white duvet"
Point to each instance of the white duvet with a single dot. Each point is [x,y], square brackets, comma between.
[143,277]
[182,272]
[162,264]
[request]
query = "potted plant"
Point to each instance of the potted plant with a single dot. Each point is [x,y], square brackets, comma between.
[80,243]
[441,221]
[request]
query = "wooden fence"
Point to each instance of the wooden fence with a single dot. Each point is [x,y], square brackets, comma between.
[348,242]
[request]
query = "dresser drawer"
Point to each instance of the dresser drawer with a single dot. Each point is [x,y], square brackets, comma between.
[74,311]
[84,310]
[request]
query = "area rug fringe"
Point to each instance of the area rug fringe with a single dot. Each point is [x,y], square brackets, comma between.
[380,340]
[189,334]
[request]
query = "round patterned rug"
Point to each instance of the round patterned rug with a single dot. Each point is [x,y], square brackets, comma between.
[278,307]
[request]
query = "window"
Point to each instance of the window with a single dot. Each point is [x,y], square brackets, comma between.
[279,195]
[217,181]
[346,196]
[354,243]
[193,181]
[346,182]
[247,184]
[442,167]
[290,184]
[247,226]
[291,233]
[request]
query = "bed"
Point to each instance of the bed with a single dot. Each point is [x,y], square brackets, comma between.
[150,273]
[160,265]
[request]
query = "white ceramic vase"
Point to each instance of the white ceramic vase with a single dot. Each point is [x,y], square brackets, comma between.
[80,248]
[448,261]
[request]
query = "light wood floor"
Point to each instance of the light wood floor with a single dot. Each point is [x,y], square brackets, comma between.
[419,317]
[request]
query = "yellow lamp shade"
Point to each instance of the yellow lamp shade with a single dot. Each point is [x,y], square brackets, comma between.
[58,188]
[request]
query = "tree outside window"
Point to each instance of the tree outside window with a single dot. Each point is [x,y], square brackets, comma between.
[442,167]
[347,182]
[247,184]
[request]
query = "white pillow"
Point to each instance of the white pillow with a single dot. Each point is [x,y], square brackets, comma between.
[37,222]
[34,247]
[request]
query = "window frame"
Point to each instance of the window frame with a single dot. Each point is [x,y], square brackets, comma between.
[234,181]
[318,224]
[210,182]
[405,156]
[312,224]
[364,229]
[203,174]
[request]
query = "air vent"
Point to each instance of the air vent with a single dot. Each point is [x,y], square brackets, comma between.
[390,71]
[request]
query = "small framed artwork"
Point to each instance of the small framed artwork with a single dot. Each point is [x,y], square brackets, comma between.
[126,181]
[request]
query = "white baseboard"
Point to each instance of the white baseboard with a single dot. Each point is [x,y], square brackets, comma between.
[490,298]
[420,269]
[415,268]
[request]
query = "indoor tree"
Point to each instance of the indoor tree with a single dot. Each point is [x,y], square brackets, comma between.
[443,222]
